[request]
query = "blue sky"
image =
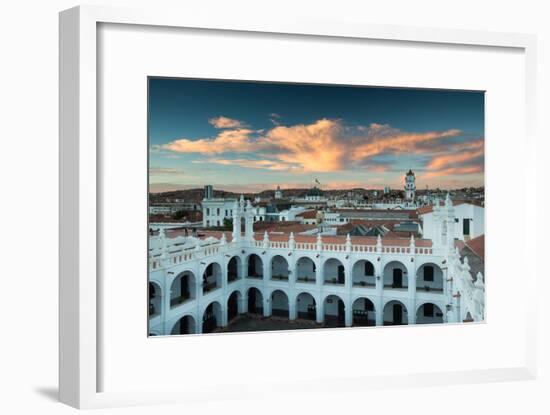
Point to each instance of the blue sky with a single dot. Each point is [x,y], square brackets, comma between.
[249,136]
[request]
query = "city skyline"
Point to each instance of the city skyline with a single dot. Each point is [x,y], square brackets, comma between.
[249,136]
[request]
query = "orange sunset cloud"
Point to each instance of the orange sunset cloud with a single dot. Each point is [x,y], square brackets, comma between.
[328,146]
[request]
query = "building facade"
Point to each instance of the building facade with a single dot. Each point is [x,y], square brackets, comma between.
[197,285]
[410,186]
[468,218]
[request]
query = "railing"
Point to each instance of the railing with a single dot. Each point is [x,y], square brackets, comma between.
[307,280]
[429,289]
[255,276]
[184,254]
[333,281]
[179,300]
[396,287]
[364,284]
[279,277]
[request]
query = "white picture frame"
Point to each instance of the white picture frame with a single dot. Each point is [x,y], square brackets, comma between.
[80,167]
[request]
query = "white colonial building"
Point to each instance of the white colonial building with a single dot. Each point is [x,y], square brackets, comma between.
[469,219]
[197,285]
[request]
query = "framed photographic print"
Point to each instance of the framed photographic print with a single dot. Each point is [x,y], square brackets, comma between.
[305,213]
[341,207]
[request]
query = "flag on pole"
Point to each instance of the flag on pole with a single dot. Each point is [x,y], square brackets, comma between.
[317,181]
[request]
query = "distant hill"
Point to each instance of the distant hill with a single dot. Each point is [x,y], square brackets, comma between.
[196,195]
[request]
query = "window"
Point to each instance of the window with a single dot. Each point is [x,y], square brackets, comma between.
[369,269]
[218,223]
[466,226]
[428,310]
[226,212]
[218,211]
[207,211]
[428,273]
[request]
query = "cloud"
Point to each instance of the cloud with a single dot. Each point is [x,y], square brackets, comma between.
[164,170]
[226,141]
[328,145]
[460,159]
[383,139]
[315,147]
[225,122]
[255,164]
[275,118]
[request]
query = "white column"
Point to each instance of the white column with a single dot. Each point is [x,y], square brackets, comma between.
[292,272]
[224,315]
[292,312]
[379,303]
[348,311]
[267,306]
[411,306]
[320,274]
[266,262]
[320,309]
[242,302]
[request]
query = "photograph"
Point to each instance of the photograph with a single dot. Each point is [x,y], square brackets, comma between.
[291,206]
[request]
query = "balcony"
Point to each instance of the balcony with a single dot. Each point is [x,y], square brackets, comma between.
[255,276]
[179,300]
[398,287]
[333,281]
[364,284]
[210,286]
[428,289]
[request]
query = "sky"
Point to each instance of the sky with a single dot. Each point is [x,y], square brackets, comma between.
[252,136]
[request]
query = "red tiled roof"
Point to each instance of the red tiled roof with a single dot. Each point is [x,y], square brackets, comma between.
[283,237]
[477,246]
[308,214]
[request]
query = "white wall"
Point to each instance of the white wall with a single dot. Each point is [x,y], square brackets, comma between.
[29,161]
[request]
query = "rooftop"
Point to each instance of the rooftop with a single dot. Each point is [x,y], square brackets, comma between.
[327,239]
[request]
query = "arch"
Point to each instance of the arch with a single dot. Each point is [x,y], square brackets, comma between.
[395,313]
[234,268]
[185,325]
[429,313]
[183,288]
[334,272]
[306,306]
[255,303]
[334,310]
[395,275]
[279,304]
[363,273]
[364,312]
[429,277]
[233,304]
[306,270]
[255,267]
[155,299]
[211,277]
[279,268]
[212,317]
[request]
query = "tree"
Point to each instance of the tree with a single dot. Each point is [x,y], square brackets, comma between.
[228,223]
[180,214]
